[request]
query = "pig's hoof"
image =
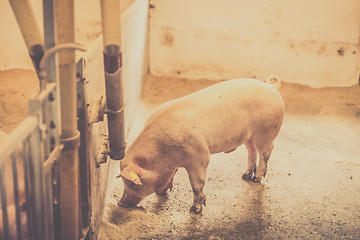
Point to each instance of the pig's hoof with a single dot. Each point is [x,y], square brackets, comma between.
[256,179]
[247,176]
[162,193]
[196,208]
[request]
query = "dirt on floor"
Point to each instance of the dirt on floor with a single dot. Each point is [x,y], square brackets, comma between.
[17,86]
[311,190]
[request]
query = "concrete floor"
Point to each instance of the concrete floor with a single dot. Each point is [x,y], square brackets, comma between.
[311,190]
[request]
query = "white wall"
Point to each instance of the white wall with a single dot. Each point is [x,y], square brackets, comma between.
[134,22]
[298,40]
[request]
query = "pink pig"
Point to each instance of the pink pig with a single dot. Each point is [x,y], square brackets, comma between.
[185,131]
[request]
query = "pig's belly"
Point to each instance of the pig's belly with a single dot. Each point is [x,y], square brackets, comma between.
[226,140]
[223,132]
[226,132]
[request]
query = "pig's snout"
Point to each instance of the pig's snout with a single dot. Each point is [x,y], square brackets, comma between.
[128,200]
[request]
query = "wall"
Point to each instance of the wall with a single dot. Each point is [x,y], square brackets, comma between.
[308,42]
[134,21]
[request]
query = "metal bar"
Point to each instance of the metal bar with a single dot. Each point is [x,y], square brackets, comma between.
[84,150]
[111,26]
[51,118]
[16,196]
[18,135]
[48,207]
[5,217]
[36,181]
[52,107]
[26,154]
[26,20]
[36,104]
[49,37]
[47,104]
[56,201]
[97,110]
[63,46]
[66,34]
[54,156]
[49,199]
[69,160]
[51,140]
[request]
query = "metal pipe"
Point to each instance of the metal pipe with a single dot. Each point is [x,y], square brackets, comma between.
[51,118]
[84,149]
[68,164]
[44,99]
[30,31]
[59,47]
[111,26]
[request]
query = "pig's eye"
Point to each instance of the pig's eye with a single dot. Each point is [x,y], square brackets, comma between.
[133,186]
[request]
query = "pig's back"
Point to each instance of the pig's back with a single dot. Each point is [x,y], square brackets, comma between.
[224,115]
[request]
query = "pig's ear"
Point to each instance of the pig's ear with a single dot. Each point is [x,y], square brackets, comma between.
[130,175]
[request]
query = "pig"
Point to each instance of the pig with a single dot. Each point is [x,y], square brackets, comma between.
[185,131]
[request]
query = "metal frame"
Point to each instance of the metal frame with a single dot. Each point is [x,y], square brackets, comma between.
[38,135]
[84,154]
[49,138]
[28,136]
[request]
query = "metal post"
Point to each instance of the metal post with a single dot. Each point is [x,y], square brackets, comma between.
[111,26]
[51,120]
[84,150]
[68,164]
[36,181]
[25,18]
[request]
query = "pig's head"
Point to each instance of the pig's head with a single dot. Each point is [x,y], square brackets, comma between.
[138,183]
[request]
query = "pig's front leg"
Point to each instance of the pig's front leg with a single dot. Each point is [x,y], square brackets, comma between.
[197,174]
[169,185]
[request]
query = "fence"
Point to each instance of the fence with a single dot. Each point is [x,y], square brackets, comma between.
[33,200]
[28,181]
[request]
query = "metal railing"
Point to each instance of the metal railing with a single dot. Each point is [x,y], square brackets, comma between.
[22,192]
[28,173]
[41,196]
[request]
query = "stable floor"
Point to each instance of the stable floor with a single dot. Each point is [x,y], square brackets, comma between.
[311,190]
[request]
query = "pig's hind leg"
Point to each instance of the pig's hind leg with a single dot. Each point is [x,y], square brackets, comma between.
[197,174]
[264,153]
[252,156]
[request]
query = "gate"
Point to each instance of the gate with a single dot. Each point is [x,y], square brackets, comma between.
[50,162]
